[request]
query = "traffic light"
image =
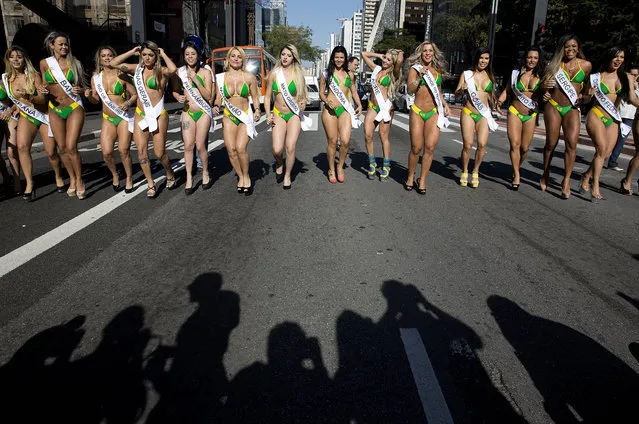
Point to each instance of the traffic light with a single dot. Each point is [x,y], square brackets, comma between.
[540,35]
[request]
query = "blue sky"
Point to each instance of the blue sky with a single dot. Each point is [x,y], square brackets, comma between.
[321,16]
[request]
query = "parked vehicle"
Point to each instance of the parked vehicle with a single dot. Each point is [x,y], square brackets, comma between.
[449,96]
[403,101]
[312,93]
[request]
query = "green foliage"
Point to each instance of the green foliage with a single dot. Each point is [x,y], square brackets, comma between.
[599,24]
[299,36]
[397,39]
[462,25]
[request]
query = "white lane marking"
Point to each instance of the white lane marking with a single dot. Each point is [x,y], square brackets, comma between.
[25,253]
[430,393]
[462,143]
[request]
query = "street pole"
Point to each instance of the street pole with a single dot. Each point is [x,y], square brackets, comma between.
[492,27]
[541,7]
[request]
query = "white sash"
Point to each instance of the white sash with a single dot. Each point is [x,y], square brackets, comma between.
[25,108]
[566,86]
[526,101]
[384,105]
[355,122]
[54,67]
[151,113]
[290,101]
[246,118]
[113,107]
[196,96]
[602,99]
[476,101]
[442,120]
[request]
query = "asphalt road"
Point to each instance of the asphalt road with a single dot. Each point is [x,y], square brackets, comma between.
[356,302]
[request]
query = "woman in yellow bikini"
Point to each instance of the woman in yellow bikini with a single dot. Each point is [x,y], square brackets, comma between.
[119,89]
[563,81]
[22,81]
[65,81]
[602,122]
[196,121]
[472,121]
[286,124]
[386,83]
[523,90]
[236,85]
[427,61]
[8,125]
[335,116]
[150,78]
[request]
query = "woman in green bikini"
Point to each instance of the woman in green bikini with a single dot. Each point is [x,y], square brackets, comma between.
[65,81]
[386,83]
[120,92]
[196,121]
[523,91]
[236,85]
[472,121]
[8,125]
[424,116]
[22,81]
[336,116]
[149,79]
[564,82]
[286,124]
[602,122]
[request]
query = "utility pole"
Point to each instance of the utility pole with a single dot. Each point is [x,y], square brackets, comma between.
[541,7]
[492,27]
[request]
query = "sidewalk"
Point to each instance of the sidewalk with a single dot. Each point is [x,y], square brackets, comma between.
[584,138]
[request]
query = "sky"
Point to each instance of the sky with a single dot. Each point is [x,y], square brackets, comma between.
[321,16]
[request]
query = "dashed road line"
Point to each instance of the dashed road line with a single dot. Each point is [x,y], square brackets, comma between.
[34,248]
[430,393]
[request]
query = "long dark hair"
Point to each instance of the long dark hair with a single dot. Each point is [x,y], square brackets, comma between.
[192,45]
[538,70]
[608,56]
[331,63]
[489,68]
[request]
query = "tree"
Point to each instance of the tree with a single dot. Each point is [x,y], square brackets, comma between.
[461,25]
[397,39]
[299,36]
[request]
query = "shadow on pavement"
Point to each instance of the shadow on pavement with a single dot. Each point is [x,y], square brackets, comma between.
[580,380]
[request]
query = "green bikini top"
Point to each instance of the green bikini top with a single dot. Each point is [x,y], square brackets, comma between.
[292,88]
[347,81]
[152,83]
[200,79]
[438,79]
[580,75]
[384,81]
[488,87]
[48,77]
[604,88]
[244,90]
[118,88]
[3,93]
[520,86]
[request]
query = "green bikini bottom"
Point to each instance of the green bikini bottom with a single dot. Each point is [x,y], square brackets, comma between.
[424,115]
[284,116]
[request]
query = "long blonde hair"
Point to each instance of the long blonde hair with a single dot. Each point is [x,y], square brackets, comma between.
[75,65]
[156,51]
[438,63]
[298,73]
[394,80]
[98,65]
[555,62]
[227,59]
[29,71]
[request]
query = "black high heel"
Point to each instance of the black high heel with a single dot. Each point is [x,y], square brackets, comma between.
[623,189]
[421,191]
[29,197]
[116,188]
[207,185]
[188,190]
[61,189]
[408,187]
[279,177]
